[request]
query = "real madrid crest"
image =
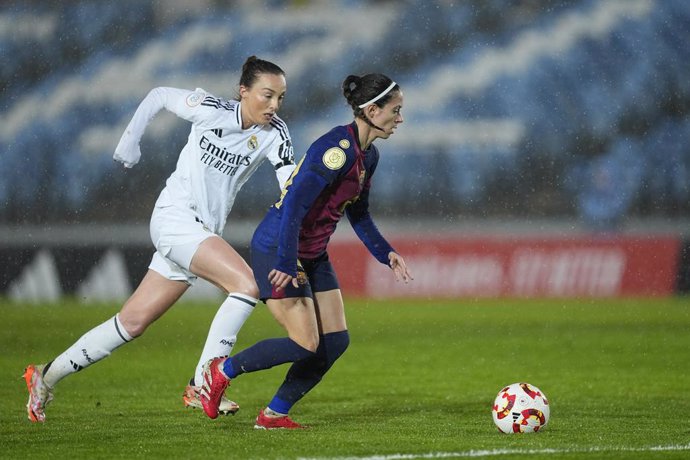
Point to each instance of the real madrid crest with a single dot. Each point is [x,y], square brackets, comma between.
[334,158]
[252,143]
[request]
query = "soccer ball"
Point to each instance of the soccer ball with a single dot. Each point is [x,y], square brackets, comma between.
[520,408]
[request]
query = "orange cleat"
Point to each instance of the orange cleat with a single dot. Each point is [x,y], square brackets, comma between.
[40,394]
[191,398]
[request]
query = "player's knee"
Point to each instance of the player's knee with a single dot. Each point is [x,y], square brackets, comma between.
[243,285]
[134,325]
[336,344]
[252,290]
[308,342]
[312,346]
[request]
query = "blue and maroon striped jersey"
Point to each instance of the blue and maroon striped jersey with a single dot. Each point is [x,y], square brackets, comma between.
[332,179]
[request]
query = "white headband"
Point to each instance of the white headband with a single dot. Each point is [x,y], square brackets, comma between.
[385,91]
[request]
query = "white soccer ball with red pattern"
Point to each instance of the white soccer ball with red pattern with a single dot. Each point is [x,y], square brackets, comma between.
[520,408]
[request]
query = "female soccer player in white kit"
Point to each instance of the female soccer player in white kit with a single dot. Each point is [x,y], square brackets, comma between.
[227,142]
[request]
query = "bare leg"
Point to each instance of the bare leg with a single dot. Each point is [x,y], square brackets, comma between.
[153,297]
[298,317]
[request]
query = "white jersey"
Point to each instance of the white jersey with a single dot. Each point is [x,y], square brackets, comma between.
[219,155]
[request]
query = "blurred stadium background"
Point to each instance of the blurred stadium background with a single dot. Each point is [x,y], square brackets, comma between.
[523,117]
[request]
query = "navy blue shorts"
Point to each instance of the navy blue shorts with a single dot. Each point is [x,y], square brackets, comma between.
[313,275]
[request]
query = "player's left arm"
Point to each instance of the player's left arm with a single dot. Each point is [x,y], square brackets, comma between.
[369,234]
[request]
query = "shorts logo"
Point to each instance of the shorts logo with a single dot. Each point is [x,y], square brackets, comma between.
[344,143]
[194,99]
[301,274]
[334,158]
[252,143]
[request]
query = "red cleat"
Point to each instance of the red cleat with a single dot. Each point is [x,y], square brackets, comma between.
[191,398]
[264,422]
[213,388]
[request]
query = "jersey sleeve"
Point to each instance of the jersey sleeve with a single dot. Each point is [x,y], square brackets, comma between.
[282,155]
[189,105]
[309,179]
[365,228]
[301,194]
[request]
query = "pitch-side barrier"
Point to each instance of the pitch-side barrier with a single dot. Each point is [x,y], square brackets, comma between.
[105,263]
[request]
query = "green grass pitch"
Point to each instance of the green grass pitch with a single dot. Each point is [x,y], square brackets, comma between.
[418,381]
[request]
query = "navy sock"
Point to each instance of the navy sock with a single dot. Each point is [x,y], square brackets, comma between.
[306,374]
[264,355]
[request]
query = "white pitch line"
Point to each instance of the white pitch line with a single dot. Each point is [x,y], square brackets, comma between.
[497,452]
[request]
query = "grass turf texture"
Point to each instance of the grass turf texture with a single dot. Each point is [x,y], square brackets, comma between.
[419,378]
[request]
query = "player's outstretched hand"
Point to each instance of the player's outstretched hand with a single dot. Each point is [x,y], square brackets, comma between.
[127,154]
[397,263]
[279,279]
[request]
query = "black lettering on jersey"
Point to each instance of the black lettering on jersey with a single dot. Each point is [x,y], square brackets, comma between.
[286,154]
[227,162]
[285,151]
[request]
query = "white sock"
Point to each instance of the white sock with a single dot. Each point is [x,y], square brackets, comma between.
[91,347]
[222,334]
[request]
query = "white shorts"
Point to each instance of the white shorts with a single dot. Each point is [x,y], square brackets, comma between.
[176,233]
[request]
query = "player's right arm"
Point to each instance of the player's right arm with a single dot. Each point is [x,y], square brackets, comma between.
[299,194]
[183,103]
[310,178]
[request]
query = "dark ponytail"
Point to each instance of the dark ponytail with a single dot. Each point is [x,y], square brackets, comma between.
[253,67]
[360,90]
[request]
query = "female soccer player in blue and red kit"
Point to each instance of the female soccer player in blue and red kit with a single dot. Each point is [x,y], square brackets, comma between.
[289,257]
